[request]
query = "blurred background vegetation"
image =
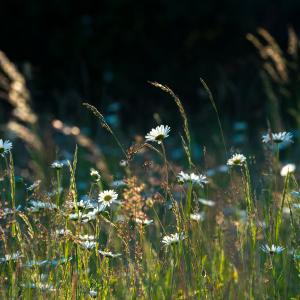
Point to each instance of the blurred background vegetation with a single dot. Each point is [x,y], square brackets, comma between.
[104,52]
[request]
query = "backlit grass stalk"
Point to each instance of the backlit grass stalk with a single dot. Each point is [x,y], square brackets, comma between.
[279,213]
[58,187]
[105,125]
[250,207]
[187,141]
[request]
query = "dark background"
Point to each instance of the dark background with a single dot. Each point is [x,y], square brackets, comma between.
[104,52]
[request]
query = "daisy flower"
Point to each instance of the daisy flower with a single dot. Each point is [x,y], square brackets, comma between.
[88,245]
[278,138]
[33,186]
[37,205]
[198,217]
[173,238]
[62,232]
[237,160]
[158,134]
[93,293]
[5,147]
[287,169]
[272,250]
[109,254]
[194,178]
[295,194]
[296,205]
[58,164]
[207,202]
[86,237]
[145,222]
[106,198]
[95,175]
[9,257]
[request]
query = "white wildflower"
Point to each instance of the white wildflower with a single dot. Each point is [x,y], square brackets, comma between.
[36,205]
[287,169]
[93,293]
[295,194]
[9,257]
[278,138]
[34,185]
[143,221]
[173,238]
[109,254]
[95,175]
[5,147]
[198,217]
[59,164]
[272,250]
[207,202]
[62,232]
[86,237]
[158,134]
[193,178]
[106,198]
[88,245]
[237,160]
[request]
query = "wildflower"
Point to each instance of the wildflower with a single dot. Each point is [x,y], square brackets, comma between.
[106,198]
[5,147]
[75,216]
[93,293]
[287,169]
[8,211]
[37,205]
[158,134]
[41,286]
[86,237]
[86,203]
[236,160]
[58,164]
[207,202]
[272,250]
[34,185]
[145,222]
[295,194]
[95,175]
[62,232]
[173,238]
[278,138]
[123,163]
[295,253]
[109,254]
[193,178]
[35,263]
[88,245]
[9,257]
[296,205]
[198,217]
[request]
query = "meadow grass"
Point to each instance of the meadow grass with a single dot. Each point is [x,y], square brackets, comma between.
[163,231]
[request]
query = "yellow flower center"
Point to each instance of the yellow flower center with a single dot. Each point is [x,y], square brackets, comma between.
[107,198]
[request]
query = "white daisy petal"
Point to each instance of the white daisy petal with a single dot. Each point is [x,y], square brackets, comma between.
[158,134]
[287,169]
[106,198]
[237,160]
[5,147]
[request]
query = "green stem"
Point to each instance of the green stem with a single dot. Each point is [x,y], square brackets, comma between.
[58,187]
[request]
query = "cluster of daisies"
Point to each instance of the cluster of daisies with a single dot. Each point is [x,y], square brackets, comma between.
[108,197]
[161,132]
[279,139]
